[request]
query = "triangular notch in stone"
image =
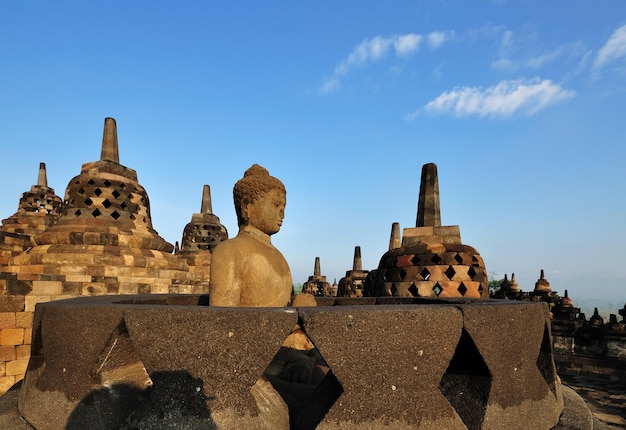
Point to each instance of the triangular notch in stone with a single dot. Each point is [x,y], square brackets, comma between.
[467,382]
[120,383]
[298,387]
[119,362]
[545,363]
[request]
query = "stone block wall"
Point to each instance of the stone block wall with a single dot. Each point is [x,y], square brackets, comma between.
[12,244]
[16,322]
[592,351]
[50,276]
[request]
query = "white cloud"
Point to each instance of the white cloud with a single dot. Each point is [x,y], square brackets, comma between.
[407,44]
[330,86]
[540,60]
[437,38]
[504,65]
[370,51]
[614,49]
[502,100]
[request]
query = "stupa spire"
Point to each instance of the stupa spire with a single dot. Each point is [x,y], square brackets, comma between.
[357,263]
[42,178]
[316,270]
[110,149]
[206,208]
[394,239]
[428,208]
[542,285]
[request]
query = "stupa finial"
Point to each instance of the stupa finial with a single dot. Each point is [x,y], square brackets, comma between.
[357,262]
[316,270]
[206,208]
[428,208]
[394,239]
[110,150]
[42,178]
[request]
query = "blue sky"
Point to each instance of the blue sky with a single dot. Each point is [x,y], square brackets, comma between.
[520,103]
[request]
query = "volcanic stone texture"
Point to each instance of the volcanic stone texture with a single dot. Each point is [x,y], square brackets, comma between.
[134,360]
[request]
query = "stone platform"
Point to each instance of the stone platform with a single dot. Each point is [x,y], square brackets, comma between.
[169,361]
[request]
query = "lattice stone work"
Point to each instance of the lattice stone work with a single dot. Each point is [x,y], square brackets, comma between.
[200,236]
[204,232]
[427,270]
[37,210]
[103,243]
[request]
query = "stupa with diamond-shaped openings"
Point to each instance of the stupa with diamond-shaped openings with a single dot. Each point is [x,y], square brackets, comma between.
[431,261]
[38,209]
[104,242]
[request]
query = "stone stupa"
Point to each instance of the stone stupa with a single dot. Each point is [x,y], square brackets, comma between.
[104,242]
[351,285]
[431,261]
[38,209]
[317,283]
[200,236]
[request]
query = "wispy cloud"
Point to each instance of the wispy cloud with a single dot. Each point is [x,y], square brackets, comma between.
[377,48]
[436,39]
[503,100]
[614,49]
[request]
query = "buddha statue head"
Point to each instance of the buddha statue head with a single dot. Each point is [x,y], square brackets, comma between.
[260,200]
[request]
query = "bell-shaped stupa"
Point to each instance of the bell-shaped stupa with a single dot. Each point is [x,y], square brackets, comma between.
[317,284]
[200,236]
[38,209]
[431,261]
[351,285]
[104,242]
[542,286]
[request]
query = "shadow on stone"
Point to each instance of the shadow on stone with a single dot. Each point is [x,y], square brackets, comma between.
[296,390]
[545,364]
[176,400]
[467,382]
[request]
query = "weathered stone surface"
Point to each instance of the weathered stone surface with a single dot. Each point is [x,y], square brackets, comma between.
[226,350]
[576,415]
[439,364]
[248,270]
[10,418]
[523,379]
[383,376]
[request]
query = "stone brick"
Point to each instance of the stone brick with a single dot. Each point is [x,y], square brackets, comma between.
[7,353]
[28,336]
[78,278]
[7,320]
[47,288]
[159,289]
[95,270]
[95,289]
[11,336]
[24,319]
[6,382]
[22,352]
[2,371]
[31,301]
[17,367]
[129,288]
[18,288]
[73,288]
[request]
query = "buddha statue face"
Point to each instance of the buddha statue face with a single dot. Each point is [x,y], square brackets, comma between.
[267,212]
[260,200]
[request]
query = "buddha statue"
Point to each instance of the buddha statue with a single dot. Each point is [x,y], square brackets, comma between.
[248,270]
